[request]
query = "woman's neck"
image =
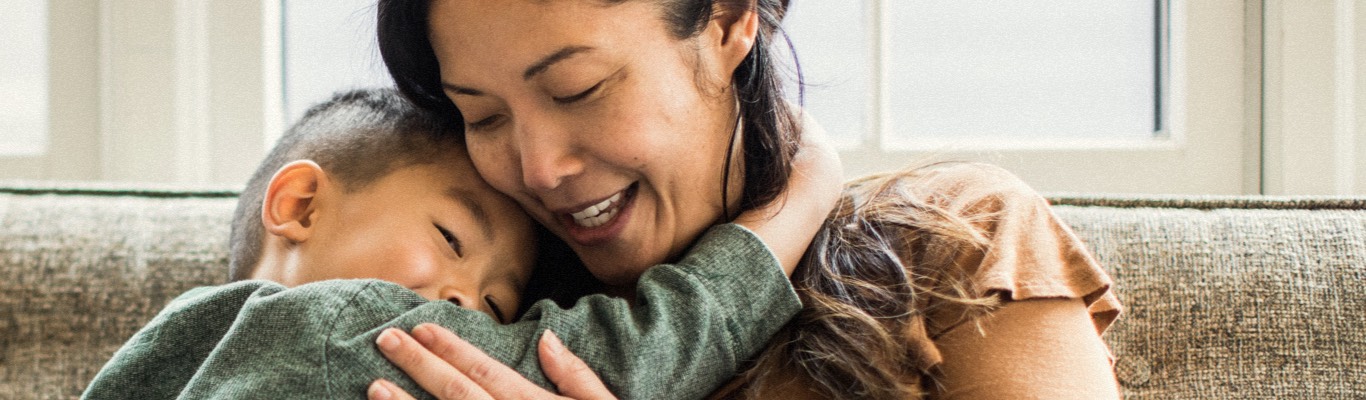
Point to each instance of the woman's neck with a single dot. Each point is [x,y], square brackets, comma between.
[627,292]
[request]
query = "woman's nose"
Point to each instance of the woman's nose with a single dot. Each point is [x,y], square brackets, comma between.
[547,152]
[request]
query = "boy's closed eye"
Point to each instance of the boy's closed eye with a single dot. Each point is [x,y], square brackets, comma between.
[497,311]
[451,240]
[493,306]
[455,245]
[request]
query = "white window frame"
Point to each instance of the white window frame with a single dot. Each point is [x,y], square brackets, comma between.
[1204,119]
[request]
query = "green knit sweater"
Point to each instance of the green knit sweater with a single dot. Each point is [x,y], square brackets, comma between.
[694,324]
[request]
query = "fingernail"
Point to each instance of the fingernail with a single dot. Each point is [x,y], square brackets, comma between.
[387,340]
[423,334]
[556,346]
[379,391]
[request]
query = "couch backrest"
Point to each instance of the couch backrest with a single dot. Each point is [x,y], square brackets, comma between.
[1225,298]
[1230,298]
[82,269]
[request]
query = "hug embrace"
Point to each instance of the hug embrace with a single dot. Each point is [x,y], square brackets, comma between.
[599,198]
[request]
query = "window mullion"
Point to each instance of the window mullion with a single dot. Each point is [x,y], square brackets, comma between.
[872,141]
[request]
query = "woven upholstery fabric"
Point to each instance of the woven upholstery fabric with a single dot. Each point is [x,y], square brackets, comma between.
[79,273]
[1226,303]
[1225,297]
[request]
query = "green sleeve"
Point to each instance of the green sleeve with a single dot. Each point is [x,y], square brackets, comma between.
[158,361]
[694,323]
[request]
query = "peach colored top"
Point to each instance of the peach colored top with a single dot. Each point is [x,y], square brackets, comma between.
[1044,340]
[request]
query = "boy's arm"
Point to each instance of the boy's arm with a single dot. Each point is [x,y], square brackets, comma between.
[158,361]
[695,323]
[788,223]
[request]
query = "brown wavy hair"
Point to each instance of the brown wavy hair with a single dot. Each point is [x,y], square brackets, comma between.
[878,266]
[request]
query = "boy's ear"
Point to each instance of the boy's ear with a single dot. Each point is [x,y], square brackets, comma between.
[291,200]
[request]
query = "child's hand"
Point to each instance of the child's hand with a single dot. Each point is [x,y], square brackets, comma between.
[789,222]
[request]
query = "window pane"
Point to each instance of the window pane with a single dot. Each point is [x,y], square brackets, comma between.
[329,46]
[833,47]
[23,78]
[1025,69]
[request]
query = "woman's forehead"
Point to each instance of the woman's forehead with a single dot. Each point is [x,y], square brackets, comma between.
[538,26]
[475,37]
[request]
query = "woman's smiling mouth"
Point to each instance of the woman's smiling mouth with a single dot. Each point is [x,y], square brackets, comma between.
[598,214]
[599,222]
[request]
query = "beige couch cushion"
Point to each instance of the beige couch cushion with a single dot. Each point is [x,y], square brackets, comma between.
[1233,298]
[80,271]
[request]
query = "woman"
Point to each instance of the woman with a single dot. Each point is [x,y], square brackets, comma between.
[614,124]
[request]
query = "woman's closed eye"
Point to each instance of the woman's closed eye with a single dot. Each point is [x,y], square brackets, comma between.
[484,124]
[579,96]
[451,240]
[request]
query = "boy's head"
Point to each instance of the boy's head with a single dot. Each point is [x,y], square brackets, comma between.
[367,186]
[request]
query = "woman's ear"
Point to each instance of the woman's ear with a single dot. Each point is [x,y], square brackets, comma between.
[291,200]
[733,33]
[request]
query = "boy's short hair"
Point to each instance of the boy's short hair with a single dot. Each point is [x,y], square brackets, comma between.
[357,137]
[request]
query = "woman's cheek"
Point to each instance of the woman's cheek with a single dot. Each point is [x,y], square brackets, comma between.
[496,162]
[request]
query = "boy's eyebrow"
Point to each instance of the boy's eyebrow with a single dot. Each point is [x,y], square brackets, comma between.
[481,216]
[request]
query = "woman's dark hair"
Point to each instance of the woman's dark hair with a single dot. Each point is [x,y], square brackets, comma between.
[771,130]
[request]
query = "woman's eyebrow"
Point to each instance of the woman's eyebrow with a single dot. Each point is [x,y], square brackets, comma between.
[531,72]
[547,61]
[461,90]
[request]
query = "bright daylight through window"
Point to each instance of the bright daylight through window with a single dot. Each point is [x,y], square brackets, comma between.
[960,73]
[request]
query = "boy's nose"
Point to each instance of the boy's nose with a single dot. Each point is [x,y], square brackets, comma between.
[460,299]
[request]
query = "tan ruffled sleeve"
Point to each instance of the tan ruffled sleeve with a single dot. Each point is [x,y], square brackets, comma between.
[1026,251]
[970,234]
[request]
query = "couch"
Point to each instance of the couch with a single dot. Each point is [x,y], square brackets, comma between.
[1227,297]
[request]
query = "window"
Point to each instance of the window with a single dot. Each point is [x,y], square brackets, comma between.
[329,46]
[24,79]
[1020,70]
[899,75]
[1071,95]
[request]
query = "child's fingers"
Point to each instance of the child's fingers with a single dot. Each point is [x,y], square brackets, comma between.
[497,379]
[573,377]
[434,374]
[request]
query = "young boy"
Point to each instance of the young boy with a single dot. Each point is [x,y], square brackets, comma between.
[367,187]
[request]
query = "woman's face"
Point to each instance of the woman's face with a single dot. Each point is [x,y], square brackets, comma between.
[596,119]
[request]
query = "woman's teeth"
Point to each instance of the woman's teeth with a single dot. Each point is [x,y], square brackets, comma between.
[598,214]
